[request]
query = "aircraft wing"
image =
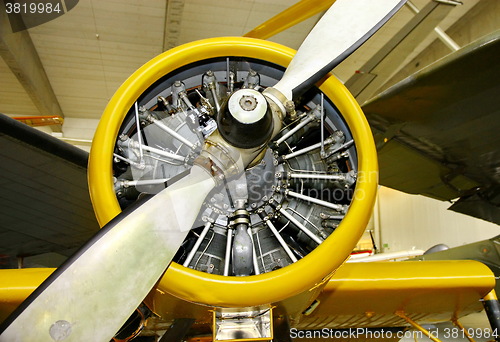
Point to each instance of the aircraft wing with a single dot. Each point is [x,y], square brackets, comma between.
[358,296]
[373,295]
[437,130]
[44,202]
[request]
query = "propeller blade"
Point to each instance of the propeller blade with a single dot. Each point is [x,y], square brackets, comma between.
[91,296]
[341,30]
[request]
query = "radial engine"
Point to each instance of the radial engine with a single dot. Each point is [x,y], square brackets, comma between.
[279,230]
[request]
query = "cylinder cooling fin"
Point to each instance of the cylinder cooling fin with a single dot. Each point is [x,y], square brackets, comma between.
[278,229]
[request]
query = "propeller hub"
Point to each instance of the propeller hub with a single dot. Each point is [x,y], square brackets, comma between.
[245,120]
[248,102]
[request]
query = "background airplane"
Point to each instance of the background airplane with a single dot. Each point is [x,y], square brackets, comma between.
[325,292]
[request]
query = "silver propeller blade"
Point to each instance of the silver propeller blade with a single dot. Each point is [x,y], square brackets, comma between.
[341,30]
[91,296]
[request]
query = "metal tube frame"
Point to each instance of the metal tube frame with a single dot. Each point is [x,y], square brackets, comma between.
[334,206]
[173,133]
[301,226]
[417,326]
[197,244]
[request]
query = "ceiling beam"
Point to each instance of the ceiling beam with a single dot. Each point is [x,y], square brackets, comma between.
[173,19]
[387,61]
[20,55]
[450,43]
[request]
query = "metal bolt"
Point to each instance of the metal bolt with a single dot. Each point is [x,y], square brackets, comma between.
[60,330]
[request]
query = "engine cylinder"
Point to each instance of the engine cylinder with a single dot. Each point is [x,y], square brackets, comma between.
[210,256]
